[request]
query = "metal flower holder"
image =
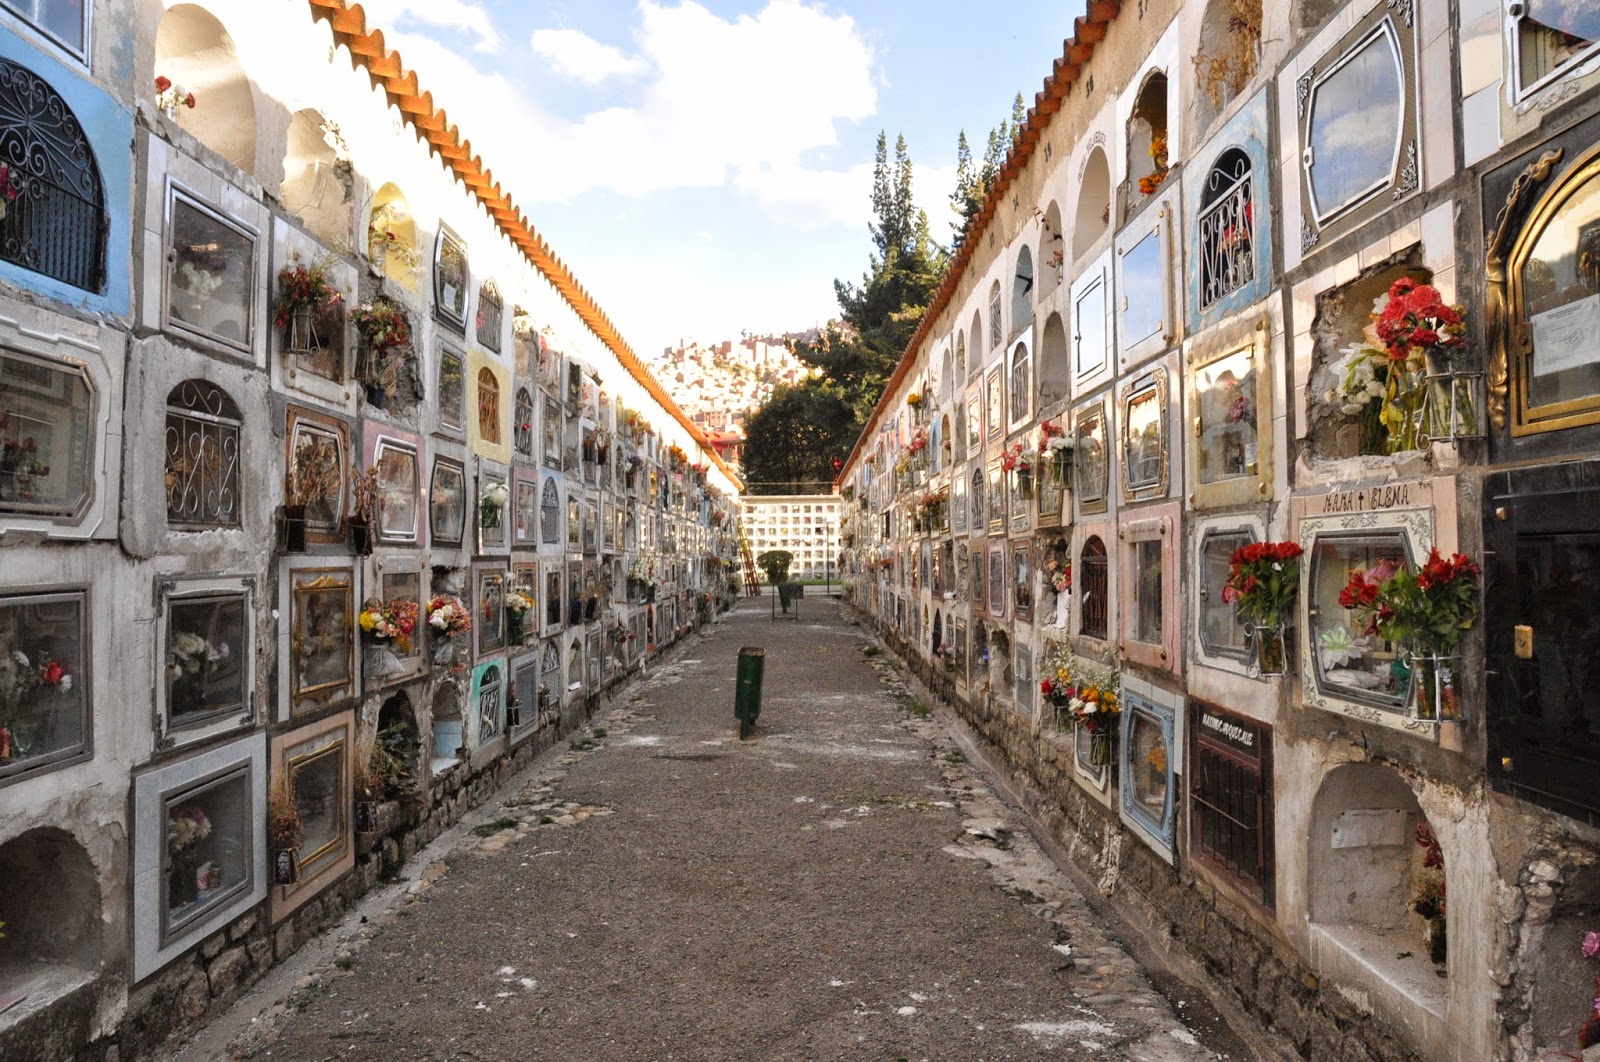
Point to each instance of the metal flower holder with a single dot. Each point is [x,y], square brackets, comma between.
[1452,407]
[301,332]
[1435,694]
[1269,649]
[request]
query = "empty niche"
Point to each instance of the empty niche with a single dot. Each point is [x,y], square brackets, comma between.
[196,54]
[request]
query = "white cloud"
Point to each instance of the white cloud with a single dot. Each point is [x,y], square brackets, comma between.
[573,53]
[442,14]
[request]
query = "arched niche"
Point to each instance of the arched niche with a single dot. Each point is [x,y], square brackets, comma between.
[1147,138]
[448,736]
[1093,216]
[1052,251]
[317,178]
[1022,284]
[1367,864]
[1054,367]
[197,55]
[975,339]
[946,442]
[946,376]
[398,737]
[392,237]
[1227,57]
[961,356]
[936,641]
[50,904]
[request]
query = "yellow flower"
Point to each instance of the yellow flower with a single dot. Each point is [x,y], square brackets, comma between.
[368,620]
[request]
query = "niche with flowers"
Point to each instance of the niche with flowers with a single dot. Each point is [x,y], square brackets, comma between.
[44,683]
[206,685]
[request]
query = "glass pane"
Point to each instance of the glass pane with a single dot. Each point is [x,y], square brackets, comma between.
[452,389]
[317,782]
[451,280]
[1089,318]
[980,487]
[213,275]
[1349,659]
[993,402]
[318,477]
[322,632]
[397,492]
[527,511]
[1147,592]
[1355,124]
[491,611]
[208,847]
[1022,577]
[1144,287]
[205,647]
[45,439]
[1560,293]
[1020,396]
[1144,441]
[447,501]
[1225,394]
[1220,628]
[43,690]
[997,582]
[489,704]
[1083,751]
[1557,707]
[1091,458]
[1147,766]
[1552,33]
[62,19]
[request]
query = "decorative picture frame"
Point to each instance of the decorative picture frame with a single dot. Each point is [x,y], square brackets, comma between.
[447,502]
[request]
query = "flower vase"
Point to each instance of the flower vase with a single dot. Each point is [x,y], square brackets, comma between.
[183,886]
[1099,748]
[489,517]
[286,866]
[1269,649]
[514,627]
[300,334]
[360,536]
[1025,483]
[1061,467]
[1433,687]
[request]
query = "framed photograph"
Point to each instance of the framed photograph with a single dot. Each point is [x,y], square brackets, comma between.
[489,625]
[492,514]
[1022,579]
[997,499]
[318,451]
[1144,437]
[447,502]
[452,390]
[1093,460]
[322,635]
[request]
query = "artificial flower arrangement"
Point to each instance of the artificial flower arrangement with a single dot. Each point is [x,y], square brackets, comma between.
[20,465]
[394,621]
[1060,575]
[919,441]
[518,602]
[303,287]
[928,511]
[1264,581]
[678,458]
[382,325]
[1015,460]
[1086,693]
[914,399]
[1158,155]
[448,616]
[1429,899]
[1427,611]
[1589,1034]
[20,678]
[190,652]
[383,235]
[492,503]
[169,97]
[699,469]
[1381,379]
[186,827]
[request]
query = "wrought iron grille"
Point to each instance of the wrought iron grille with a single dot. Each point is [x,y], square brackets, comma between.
[1094,582]
[202,457]
[1230,812]
[52,204]
[1227,229]
[522,427]
[491,309]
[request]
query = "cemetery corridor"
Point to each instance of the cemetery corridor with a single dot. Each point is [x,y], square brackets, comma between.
[843,885]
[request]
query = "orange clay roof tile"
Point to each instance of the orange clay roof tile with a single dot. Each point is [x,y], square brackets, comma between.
[387,69]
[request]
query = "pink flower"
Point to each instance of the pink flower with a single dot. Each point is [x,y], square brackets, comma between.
[1591,944]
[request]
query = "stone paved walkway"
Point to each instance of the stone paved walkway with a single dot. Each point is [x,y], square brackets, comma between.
[841,886]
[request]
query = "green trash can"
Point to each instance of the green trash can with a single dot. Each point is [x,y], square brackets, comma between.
[747,688]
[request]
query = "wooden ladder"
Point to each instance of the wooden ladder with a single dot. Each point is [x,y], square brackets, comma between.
[752,582]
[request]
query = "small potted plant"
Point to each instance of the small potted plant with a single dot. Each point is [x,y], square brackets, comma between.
[284,834]
[1264,581]
[363,508]
[303,292]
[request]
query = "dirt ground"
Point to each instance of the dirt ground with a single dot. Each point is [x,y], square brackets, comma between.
[844,885]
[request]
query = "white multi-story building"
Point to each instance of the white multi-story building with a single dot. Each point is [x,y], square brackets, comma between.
[806,525]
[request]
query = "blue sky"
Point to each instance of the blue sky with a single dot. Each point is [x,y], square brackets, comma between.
[704,167]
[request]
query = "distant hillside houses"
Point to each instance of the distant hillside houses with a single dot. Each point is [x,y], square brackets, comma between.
[720,384]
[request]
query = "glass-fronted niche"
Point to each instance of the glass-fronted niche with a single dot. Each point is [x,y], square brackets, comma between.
[1361,535]
[1549,40]
[1230,798]
[322,614]
[1150,764]
[1220,630]
[1542,635]
[208,856]
[207,665]
[211,279]
[44,681]
[1544,266]
[1357,113]
[47,416]
[1230,402]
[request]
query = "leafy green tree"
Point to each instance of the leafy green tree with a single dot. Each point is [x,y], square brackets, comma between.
[792,441]
[973,180]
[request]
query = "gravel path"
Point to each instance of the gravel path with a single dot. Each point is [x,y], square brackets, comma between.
[842,886]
